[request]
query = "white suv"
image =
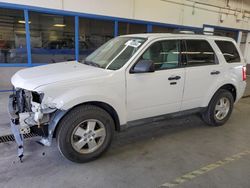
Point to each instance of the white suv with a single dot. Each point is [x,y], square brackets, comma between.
[129,80]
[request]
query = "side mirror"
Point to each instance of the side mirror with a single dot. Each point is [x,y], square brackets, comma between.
[143,66]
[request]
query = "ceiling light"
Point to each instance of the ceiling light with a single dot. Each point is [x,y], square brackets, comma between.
[59,25]
[22,21]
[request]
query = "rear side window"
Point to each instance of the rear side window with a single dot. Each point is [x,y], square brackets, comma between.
[229,51]
[199,52]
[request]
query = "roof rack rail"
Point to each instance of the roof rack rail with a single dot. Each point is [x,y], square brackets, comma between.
[186,32]
[177,31]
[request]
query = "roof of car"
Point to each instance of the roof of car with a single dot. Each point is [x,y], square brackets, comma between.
[169,35]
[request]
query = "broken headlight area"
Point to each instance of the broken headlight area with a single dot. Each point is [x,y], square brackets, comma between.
[29,114]
[30,109]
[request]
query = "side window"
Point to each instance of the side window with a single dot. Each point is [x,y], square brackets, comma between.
[199,52]
[164,54]
[229,51]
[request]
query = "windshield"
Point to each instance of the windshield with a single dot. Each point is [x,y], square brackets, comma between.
[115,53]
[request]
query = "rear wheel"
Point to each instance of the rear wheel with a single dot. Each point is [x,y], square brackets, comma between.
[85,133]
[219,109]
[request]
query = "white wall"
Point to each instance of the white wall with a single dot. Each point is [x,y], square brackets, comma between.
[56,4]
[116,8]
[165,11]
[192,14]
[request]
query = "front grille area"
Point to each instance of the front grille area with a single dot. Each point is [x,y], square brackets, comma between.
[11,138]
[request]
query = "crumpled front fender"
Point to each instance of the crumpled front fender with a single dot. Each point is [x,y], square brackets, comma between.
[56,117]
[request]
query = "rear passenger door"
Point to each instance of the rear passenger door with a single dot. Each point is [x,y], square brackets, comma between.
[202,72]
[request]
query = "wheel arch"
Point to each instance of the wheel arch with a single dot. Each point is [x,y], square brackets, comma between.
[227,86]
[208,115]
[108,108]
[231,88]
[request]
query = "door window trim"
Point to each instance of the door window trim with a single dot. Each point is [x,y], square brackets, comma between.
[180,63]
[185,64]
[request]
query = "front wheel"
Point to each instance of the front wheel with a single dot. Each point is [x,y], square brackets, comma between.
[85,133]
[219,109]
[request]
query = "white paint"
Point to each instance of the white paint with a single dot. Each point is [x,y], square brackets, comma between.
[53,73]
[151,94]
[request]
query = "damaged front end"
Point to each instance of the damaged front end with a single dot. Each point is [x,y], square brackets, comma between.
[29,114]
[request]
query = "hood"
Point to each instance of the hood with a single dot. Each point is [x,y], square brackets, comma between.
[34,77]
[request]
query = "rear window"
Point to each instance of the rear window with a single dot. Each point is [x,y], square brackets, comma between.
[229,51]
[199,52]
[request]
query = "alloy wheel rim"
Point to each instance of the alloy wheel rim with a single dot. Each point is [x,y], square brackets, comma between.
[88,136]
[222,108]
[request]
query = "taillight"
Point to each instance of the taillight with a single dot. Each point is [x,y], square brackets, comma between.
[244,73]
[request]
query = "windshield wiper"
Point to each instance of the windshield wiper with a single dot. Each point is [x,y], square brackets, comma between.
[91,63]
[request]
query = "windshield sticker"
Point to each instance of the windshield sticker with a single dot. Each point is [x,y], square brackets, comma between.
[133,43]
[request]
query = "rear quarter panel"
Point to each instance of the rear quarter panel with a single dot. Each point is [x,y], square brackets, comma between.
[231,73]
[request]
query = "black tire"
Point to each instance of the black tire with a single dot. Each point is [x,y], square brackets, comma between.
[70,122]
[209,116]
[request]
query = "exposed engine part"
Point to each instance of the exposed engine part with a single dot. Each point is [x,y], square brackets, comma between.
[24,127]
[31,121]
[28,115]
[23,99]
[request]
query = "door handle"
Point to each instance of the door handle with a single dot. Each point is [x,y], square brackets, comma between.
[173,83]
[215,72]
[174,78]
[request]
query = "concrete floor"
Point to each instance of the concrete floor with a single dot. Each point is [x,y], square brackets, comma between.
[146,156]
[247,91]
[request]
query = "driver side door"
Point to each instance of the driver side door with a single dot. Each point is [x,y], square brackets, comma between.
[160,92]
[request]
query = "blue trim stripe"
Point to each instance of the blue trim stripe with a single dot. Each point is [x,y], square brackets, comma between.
[22,65]
[14,65]
[149,28]
[4,91]
[27,30]
[116,29]
[77,37]
[225,28]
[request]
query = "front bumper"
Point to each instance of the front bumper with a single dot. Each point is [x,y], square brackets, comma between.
[23,123]
[12,109]
[27,116]
[16,118]
[15,124]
